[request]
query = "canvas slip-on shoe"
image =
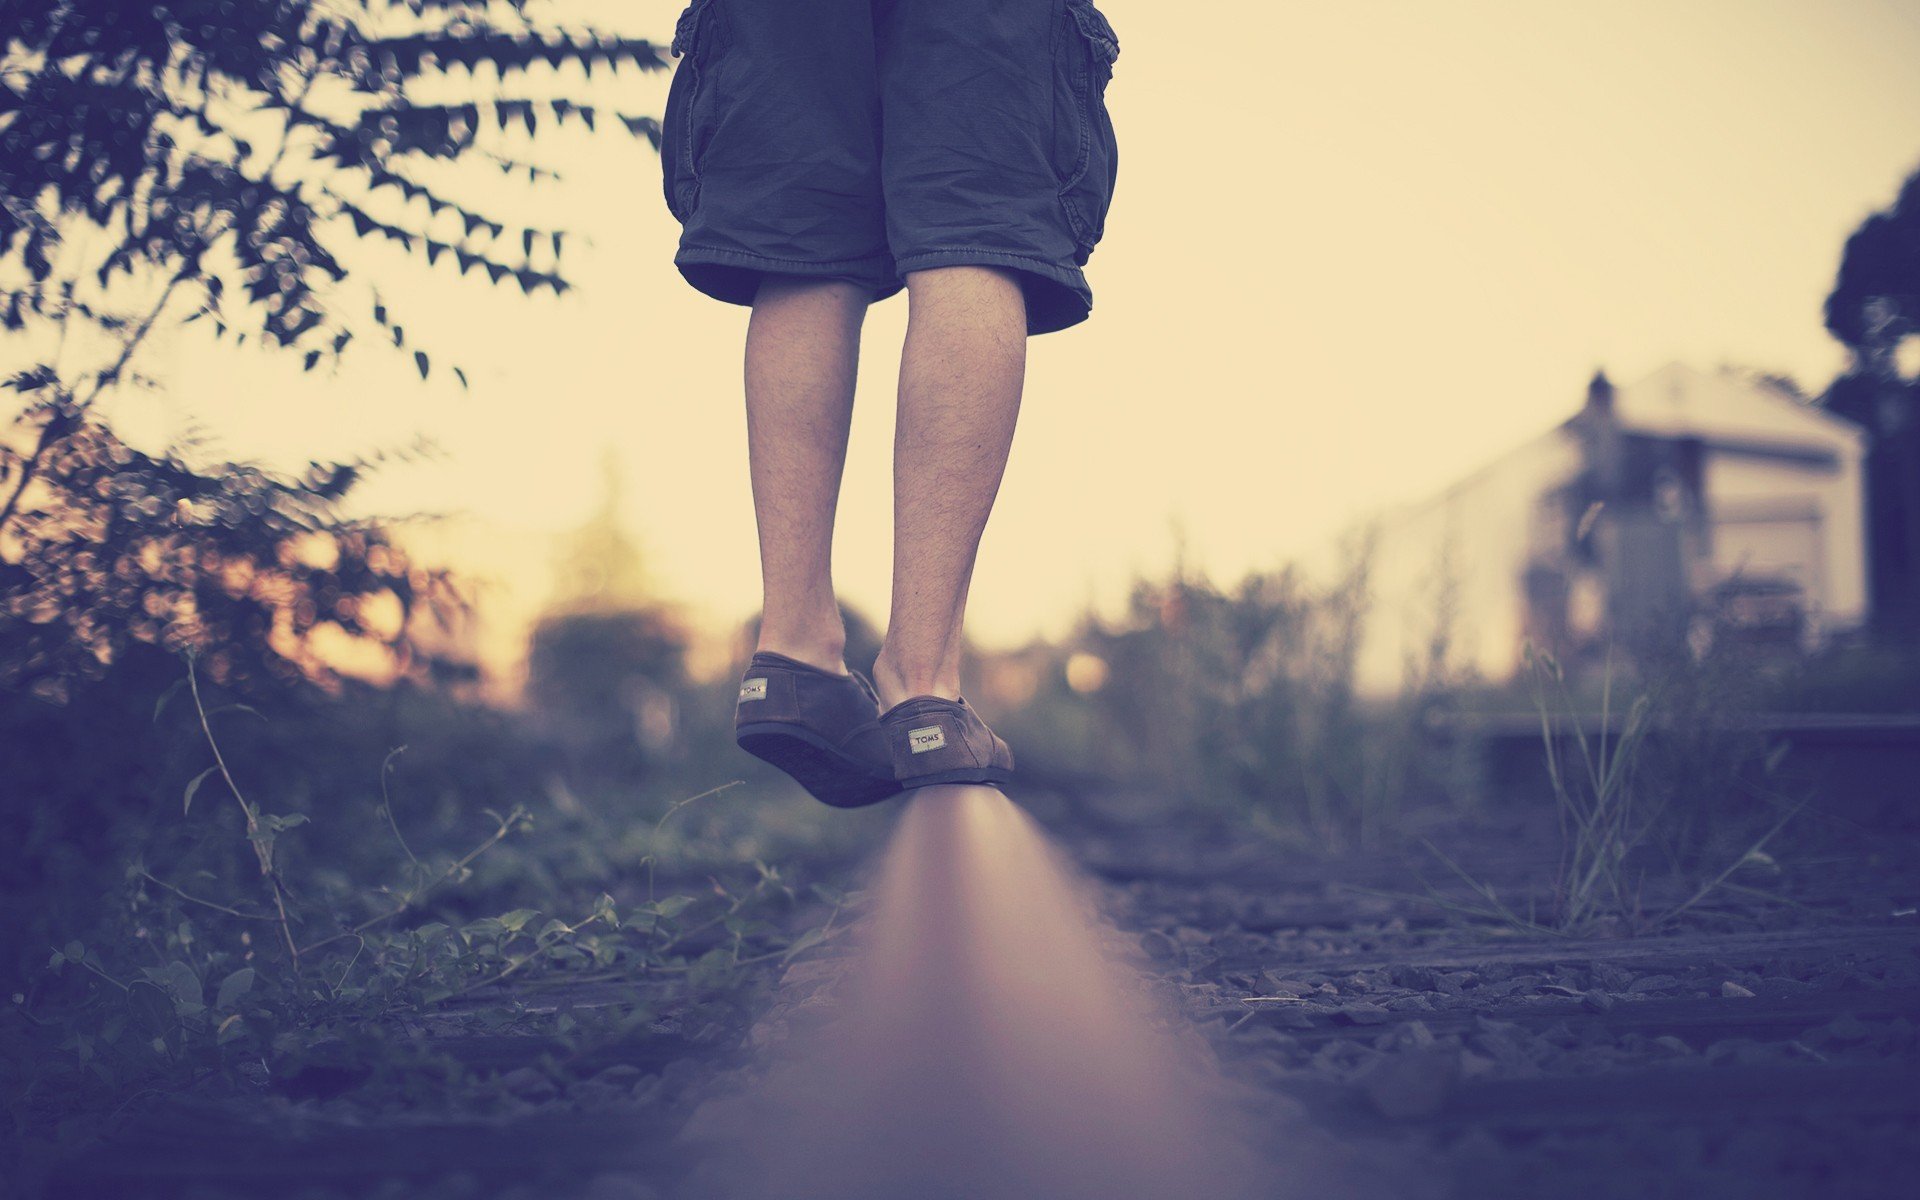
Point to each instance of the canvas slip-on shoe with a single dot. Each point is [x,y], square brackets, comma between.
[936,740]
[819,727]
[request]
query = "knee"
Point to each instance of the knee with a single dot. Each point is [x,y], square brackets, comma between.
[773,287]
[967,275]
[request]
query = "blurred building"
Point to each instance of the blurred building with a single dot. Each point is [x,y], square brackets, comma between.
[1682,507]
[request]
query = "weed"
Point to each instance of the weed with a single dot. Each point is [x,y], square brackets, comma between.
[195,973]
[1606,826]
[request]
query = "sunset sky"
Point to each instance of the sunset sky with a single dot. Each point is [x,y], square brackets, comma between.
[1354,250]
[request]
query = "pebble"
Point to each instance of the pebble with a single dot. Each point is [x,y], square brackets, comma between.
[529,1083]
[1361,1014]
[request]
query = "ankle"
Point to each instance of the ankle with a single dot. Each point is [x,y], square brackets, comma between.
[826,653]
[896,683]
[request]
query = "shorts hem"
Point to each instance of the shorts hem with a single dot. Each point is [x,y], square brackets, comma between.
[734,275]
[1057,297]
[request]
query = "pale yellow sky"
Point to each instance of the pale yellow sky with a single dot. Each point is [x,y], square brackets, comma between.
[1355,249]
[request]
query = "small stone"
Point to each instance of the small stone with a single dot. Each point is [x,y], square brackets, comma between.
[1844,1028]
[1414,1083]
[1454,982]
[1416,1033]
[1654,983]
[1158,945]
[1361,1014]
[1597,1000]
[1475,1065]
[1412,977]
[1606,975]
[529,1083]
[1733,990]
[619,1187]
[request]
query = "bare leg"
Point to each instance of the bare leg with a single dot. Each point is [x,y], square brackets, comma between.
[961,374]
[803,350]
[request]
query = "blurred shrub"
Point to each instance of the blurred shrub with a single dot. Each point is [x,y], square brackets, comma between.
[97,781]
[268,921]
[607,689]
[1235,705]
[117,548]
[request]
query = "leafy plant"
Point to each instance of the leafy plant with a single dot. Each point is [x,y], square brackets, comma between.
[256,971]
[221,163]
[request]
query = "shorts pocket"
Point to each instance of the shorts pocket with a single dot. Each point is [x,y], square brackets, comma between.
[1086,153]
[699,35]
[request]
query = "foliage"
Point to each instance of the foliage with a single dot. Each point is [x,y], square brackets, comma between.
[122,547]
[1611,816]
[1240,703]
[608,687]
[225,160]
[238,957]
[226,144]
[1874,310]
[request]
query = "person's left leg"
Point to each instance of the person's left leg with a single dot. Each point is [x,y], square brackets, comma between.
[802,356]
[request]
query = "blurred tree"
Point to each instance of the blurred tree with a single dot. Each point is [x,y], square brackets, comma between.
[215,161]
[606,663]
[1874,309]
[123,549]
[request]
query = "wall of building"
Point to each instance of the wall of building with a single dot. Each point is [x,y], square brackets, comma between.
[1479,532]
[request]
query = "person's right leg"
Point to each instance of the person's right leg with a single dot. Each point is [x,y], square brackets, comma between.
[961,373]
[803,350]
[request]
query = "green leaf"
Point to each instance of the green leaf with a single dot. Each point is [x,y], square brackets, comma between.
[245,708]
[150,1006]
[193,787]
[76,951]
[484,927]
[514,920]
[233,987]
[672,906]
[805,942]
[183,983]
[173,689]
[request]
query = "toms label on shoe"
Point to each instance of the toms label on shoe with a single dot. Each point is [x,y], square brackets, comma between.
[754,689]
[927,737]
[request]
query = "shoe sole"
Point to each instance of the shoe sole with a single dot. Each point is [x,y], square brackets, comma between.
[987,775]
[828,775]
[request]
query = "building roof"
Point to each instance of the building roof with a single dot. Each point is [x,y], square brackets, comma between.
[1681,401]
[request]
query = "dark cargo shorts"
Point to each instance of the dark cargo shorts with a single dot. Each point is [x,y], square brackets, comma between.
[863,139]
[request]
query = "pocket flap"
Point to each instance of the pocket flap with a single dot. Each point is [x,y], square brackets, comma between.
[686,30]
[1095,27]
